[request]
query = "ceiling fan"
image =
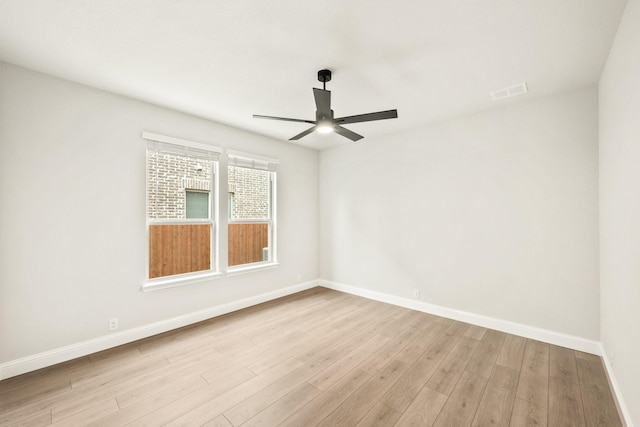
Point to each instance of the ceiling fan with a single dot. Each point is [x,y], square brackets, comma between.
[325,122]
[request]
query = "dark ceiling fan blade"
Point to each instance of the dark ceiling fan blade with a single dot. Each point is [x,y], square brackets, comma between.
[323,102]
[369,117]
[257,116]
[302,134]
[347,133]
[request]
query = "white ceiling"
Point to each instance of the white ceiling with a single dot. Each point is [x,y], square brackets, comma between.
[228,59]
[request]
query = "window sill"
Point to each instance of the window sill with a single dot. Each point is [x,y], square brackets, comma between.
[183,280]
[235,271]
[175,281]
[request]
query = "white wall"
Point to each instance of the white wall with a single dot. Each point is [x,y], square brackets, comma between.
[72,229]
[494,214]
[620,207]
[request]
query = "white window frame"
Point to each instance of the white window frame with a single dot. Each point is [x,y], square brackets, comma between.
[182,146]
[253,161]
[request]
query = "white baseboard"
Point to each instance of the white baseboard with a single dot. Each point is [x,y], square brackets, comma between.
[63,354]
[539,334]
[617,394]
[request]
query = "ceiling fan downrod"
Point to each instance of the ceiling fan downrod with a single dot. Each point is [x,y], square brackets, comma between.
[324,76]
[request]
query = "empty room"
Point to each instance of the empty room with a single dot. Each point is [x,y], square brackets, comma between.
[338,213]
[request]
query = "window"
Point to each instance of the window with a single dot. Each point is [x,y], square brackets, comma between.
[252,210]
[181,183]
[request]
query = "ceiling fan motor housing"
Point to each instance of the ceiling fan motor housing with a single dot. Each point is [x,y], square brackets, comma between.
[321,117]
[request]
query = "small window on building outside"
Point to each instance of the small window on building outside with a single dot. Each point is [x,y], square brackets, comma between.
[197,204]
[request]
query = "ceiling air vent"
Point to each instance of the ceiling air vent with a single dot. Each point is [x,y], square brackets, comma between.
[510,91]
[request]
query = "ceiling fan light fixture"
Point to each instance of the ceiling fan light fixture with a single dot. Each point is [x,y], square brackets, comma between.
[325,127]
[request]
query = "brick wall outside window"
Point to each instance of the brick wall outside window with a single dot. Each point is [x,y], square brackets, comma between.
[168,178]
[170,175]
[249,189]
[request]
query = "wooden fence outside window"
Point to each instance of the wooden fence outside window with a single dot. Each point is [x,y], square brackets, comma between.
[246,242]
[186,248]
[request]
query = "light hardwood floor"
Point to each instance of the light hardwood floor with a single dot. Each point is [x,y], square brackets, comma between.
[319,357]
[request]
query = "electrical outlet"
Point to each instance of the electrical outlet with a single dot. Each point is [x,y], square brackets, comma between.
[113,324]
[416,293]
[299,277]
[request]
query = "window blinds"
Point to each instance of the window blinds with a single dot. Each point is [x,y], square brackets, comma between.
[182,147]
[245,160]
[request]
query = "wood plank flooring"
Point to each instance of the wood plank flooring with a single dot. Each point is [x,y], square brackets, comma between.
[319,358]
